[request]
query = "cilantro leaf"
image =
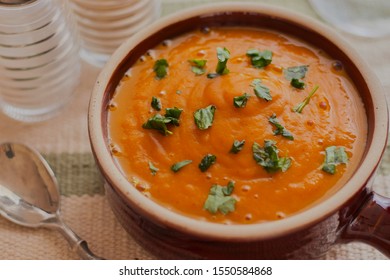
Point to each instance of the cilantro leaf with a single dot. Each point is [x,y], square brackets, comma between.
[204,117]
[298,108]
[156,103]
[206,162]
[334,156]
[261,90]
[161,68]
[295,72]
[198,62]
[297,83]
[173,114]
[223,56]
[237,146]
[198,66]
[220,199]
[280,129]
[152,168]
[159,122]
[260,59]
[212,75]
[179,165]
[268,158]
[240,101]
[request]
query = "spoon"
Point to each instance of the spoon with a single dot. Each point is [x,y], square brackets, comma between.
[29,194]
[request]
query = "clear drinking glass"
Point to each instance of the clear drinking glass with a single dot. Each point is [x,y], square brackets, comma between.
[39,58]
[366,18]
[105,24]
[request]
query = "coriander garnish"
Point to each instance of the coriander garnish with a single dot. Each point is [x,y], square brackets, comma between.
[237,146]
[212,75]
[298,108]
[204,117]
[297,83]
[179,165]
[206,162]
[334,156]
[260,59]
[280,129]
[240,101]
[220,199]
[152,168]
[173,114]
[161,68]
[159,122]
[261,90]
[198,66]
[156,103]
[268,158]
[295,72]
[223,56]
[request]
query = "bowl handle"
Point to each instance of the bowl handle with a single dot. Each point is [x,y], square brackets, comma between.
[371,224]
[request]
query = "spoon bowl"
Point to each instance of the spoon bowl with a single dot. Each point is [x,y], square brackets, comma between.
[29,194]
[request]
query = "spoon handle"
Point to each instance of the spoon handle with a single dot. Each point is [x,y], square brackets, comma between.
[77,244]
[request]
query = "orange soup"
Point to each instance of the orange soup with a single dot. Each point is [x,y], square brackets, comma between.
[237,125]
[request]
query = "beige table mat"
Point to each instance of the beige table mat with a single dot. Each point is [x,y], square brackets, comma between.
[63,140]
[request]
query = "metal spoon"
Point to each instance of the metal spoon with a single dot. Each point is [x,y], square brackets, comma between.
[29,194]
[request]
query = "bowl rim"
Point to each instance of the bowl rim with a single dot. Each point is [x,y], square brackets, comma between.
[157,213]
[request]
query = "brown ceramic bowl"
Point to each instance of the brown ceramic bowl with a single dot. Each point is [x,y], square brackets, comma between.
[354,213]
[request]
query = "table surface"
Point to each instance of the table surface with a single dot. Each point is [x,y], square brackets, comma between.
[64,142]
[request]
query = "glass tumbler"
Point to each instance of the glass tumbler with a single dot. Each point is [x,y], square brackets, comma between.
[104,24]
[39,58]
[365,18]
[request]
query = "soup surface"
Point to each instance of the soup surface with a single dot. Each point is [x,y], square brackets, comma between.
[236,125]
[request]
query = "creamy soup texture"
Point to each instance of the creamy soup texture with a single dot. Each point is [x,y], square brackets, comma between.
[236,125]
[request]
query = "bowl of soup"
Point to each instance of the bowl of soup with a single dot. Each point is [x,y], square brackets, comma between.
[240,131]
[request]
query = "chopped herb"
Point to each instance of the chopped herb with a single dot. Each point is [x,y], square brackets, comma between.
[198,66]
[204,117]
[334,156]
[237,146]
[206,162]
[280,130]
[261,90]
[297,83]
[156,103]
[179,165]
[198,62]
[223,56]
[296,72]
[220,199]
[198,71]
[268,158]
[212,75]
[259,59]
[306,101]
[159,122]
[240,101]
[160,68]
[152,168]
[173,114]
